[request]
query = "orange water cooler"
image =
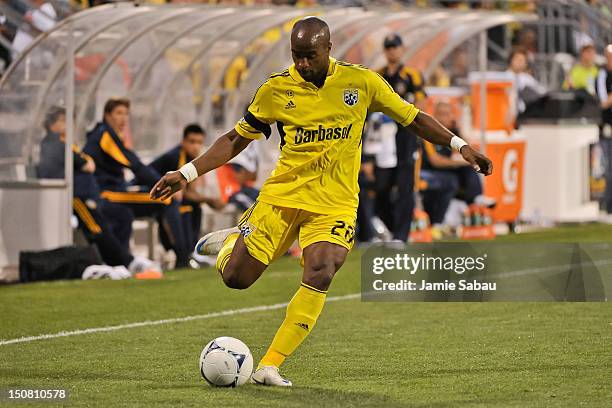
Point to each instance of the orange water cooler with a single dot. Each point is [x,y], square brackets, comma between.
[504,146]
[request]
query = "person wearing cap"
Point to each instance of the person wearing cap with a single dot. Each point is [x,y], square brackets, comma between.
[399,171]
[92,211]
[604,92]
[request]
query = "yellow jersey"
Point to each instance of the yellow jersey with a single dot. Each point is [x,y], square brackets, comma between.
[320,131]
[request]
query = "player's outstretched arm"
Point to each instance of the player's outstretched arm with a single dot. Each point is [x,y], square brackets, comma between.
[431,130]
[222,151]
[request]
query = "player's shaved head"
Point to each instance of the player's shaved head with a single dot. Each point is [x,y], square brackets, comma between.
[310,46]
[310,31]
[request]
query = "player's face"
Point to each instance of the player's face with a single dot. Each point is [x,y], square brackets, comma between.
[192,144]
[394,54]
[311,60]
[118,118]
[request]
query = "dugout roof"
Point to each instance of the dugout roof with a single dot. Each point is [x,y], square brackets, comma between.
[180,64]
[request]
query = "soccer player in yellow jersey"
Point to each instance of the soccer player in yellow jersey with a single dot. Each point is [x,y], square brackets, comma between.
[319,106]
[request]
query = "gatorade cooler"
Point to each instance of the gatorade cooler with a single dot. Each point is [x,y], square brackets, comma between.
[506,184]
[500,101]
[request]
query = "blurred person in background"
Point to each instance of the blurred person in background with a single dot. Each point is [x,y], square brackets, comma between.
[247,194]
[190,208]
[244,169]
[447,176]
[40,19]
[366,210]
[92,211]
[439,78]
[106,146]
[527,87]
[583,34]
[527,41]
[7,36]
[398,174]
[459,68]
[584,73]
[604,92]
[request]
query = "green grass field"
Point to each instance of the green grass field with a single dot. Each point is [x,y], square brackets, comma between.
[360,354]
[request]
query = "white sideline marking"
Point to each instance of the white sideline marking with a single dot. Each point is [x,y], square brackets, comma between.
[230,312]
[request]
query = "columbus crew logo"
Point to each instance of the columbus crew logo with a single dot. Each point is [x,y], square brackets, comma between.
[246,229]
[351,96]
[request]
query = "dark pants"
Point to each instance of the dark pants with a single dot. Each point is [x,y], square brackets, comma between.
[193,224]
[441,188]
[444,185]
[606,146]
[395,210]
[170,222]
[191,221]
[98,231]
[366,209]
[120,220]
[470,186]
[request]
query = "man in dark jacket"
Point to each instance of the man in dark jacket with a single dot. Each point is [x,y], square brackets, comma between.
[408,83]
[106,146]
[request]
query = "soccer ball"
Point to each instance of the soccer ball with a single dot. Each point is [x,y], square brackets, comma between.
[226,362]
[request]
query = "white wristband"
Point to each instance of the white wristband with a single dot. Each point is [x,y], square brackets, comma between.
[457,143]
[189,171]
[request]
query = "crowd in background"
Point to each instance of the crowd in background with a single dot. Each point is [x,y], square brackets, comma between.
[22,20]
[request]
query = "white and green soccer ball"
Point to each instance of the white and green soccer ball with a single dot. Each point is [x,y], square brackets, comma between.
[226,362]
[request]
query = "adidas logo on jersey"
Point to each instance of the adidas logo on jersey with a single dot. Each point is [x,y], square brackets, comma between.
[290,105]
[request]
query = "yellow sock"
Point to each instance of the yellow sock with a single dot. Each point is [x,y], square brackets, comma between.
[302,313]
[224,254]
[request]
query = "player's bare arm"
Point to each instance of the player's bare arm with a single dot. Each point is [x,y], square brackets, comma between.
[431,130]
[223,150]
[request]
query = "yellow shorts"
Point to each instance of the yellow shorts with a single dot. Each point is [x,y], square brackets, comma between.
[269,230]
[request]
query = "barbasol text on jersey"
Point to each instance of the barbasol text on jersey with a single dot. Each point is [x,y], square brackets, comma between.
[305,136]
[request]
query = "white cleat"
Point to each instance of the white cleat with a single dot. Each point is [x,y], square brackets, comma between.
[268,375]
[211,243]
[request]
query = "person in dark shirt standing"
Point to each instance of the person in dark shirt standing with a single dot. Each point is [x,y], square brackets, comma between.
[191,211]
[105,144]
[604,92]
[408,83]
